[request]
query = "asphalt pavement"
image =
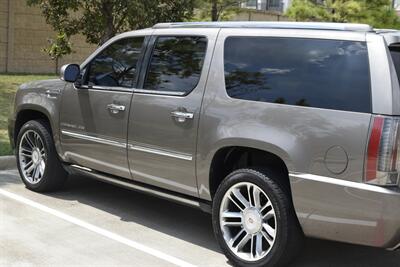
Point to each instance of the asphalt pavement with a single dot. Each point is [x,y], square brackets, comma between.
[90,223]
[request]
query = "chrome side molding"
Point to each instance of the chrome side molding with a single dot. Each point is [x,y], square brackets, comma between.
[94,139]
[160,152]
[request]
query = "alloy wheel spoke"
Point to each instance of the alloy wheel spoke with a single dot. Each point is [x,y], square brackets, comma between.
[42,166]
[29,167]
[29,141]
[270,231]
[270,214]
[256,197]
[267,237]
[265,206]
[252,247]
[236,204]
[243,242]
[233,240]
[259,238]
[236,192]
[231,215]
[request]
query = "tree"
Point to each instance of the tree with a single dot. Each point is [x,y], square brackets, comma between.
[216,10]
[58,47]
[378,13]
[99,20]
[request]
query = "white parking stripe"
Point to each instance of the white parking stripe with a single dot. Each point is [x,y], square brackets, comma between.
[98,230]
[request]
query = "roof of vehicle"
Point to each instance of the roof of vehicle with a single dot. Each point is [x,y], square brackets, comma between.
[269,25]
[391,36]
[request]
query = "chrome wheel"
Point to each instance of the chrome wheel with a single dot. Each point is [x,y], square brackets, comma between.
[32,157]
[248,221]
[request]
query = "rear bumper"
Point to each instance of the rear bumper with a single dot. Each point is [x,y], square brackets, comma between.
[345,211]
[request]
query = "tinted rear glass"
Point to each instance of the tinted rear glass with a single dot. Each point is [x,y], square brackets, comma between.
[395,51]
[327,74]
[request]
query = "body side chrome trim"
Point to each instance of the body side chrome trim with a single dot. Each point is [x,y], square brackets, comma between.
[160,152]
[94,139]
[343,183]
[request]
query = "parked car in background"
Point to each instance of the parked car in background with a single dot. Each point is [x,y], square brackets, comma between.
[280,130]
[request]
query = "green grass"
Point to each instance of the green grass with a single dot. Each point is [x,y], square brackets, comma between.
[8,85]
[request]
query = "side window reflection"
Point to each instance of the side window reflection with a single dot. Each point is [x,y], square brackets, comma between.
[116,65]
[176,63]
[303,72]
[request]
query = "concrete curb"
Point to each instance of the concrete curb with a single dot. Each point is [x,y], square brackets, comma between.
[8,163]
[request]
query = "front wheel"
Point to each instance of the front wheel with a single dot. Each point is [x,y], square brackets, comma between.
[37,159]
[254,221]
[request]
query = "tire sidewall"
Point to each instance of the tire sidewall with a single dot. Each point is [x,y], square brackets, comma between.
[270,188]
[34,126]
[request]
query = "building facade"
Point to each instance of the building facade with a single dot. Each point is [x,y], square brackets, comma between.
[23,35]
[267,5]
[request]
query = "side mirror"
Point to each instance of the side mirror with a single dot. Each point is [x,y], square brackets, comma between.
[70,72]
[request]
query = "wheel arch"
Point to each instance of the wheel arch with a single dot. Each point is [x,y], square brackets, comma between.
[27,113]
[228,158]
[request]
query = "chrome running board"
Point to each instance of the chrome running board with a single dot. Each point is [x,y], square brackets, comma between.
[150,190]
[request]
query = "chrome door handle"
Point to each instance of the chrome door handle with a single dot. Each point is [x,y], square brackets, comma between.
[182,116]
[115,108]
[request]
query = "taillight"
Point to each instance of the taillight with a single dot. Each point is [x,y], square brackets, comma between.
[382,160]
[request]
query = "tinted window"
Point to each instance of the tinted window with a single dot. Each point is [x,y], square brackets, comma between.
[116,65]
[176,64]
[395,51]
[306,72]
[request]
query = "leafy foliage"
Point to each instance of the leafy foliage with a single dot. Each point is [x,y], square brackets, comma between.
[215,10]
[99,20]
[378,13]
[58,47]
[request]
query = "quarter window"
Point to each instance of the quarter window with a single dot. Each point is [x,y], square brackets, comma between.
[305,72]
[116,66]
[176,64]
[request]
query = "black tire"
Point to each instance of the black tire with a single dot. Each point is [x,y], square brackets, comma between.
[289,237]
[54,175]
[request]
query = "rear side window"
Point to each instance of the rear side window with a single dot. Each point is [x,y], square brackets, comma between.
[318,73]
[176,64]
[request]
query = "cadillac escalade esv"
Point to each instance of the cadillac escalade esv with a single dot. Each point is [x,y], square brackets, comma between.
[280,130]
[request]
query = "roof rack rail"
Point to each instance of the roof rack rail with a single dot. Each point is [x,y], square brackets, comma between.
[269,25]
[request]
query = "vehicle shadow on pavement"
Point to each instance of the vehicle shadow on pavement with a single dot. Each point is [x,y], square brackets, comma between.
[194,226]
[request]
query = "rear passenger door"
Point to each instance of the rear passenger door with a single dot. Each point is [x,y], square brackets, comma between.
[164,115]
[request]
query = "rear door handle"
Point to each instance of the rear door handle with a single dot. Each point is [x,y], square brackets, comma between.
[115,108]
[182,116]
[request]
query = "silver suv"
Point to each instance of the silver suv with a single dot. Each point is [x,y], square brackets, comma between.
[280,130]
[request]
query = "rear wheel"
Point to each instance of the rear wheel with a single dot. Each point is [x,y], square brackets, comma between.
[37,159]
[254,221]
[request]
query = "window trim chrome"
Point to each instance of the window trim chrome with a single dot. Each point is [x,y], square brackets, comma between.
[155,92]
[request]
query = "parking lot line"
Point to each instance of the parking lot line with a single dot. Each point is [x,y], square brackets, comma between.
[98,230]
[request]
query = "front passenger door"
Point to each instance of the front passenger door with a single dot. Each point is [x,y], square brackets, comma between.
[94,112]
